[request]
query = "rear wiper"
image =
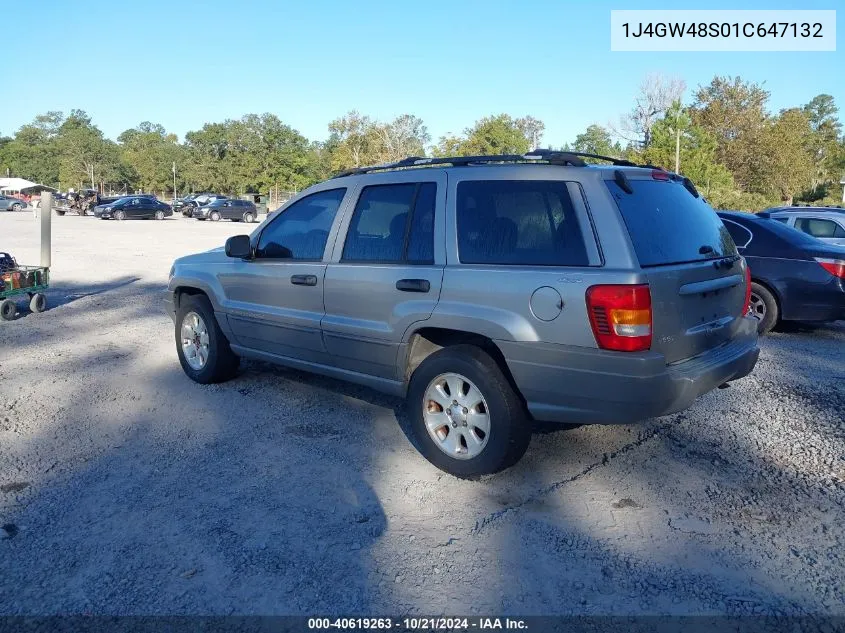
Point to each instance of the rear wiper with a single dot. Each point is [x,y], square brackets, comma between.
[705,250]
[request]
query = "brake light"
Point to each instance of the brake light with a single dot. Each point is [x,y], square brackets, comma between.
[658,174]
[835,267]
[746,308]
[620,316]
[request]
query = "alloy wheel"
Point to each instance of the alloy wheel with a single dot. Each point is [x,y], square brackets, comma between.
[456,416]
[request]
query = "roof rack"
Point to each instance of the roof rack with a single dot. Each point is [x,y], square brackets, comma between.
[537,156]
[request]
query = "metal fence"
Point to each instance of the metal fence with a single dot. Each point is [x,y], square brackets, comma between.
[278,197]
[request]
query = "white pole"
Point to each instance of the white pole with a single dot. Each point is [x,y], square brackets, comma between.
[46,235]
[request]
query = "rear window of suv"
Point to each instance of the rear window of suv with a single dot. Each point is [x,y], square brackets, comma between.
[668,225]
[518,222]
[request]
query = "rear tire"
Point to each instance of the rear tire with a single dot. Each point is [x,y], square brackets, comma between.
[509,430]
[764,307]
[248,218]
[8,310]
[38,302]
[220,363]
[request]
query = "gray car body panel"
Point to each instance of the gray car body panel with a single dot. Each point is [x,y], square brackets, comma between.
[355,325]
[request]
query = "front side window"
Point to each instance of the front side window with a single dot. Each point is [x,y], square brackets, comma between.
[393,223]
[520,222]
[301,230]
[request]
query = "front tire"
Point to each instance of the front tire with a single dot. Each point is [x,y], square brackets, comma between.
[8,310]
[214,216]
[159,215]
[764,307]
[466,417]
[16,207]
[119,215]
[203,349]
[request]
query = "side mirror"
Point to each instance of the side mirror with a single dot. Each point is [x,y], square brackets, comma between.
[239,246]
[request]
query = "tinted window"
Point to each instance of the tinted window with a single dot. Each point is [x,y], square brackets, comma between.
[819,228]
[528,222]
[740,234]
[301,230]
[379,230]
[421,238]
[668,225]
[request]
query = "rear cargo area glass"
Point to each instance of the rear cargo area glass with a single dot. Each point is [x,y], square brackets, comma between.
[668,225]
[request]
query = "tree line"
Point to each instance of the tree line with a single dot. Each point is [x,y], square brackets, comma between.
[737,152]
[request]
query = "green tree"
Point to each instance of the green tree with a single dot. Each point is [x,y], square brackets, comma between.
[596,140]
[698,150]
[784,164]
[733,111]
[85,156]
[149,153]
[493,135]
[825,145]
[33,152]
[354,141]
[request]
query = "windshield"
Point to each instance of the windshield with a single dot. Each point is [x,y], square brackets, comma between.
[668,225]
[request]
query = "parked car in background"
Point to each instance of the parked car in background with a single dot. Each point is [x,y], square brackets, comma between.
[824,223]
[794,277]
[10,203]
[179,204]
[134,208]
[553,290]
[201,200]
[226,209]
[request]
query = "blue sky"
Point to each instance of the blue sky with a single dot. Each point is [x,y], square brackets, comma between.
[183,64]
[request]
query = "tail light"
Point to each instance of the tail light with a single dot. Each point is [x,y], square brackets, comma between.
[746,308]
[620,316]
[835,267]
[659,174]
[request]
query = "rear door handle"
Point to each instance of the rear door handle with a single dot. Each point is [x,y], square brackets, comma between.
[303,280]
[413,285]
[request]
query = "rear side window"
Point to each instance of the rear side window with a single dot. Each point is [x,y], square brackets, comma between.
[519,222]
[393,223]
[741,235]
[668,225]
[819,228]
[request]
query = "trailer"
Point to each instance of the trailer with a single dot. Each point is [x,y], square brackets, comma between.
[17,280]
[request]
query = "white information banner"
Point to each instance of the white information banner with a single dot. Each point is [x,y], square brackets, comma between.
[723,30]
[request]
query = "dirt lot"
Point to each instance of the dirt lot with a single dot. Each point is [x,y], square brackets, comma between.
[126,488]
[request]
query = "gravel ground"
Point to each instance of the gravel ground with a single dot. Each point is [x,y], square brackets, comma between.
[127,489]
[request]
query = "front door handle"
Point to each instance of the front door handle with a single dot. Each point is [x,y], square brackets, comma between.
[413,285]
[303,280]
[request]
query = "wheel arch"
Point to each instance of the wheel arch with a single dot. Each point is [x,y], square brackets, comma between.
[425,341]
[772,289]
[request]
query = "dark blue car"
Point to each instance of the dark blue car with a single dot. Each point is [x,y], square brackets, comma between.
[794,277]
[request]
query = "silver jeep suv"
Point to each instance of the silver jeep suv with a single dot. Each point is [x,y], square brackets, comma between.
[488,291]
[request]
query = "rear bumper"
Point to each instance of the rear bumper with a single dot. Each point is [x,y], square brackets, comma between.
[580,385]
